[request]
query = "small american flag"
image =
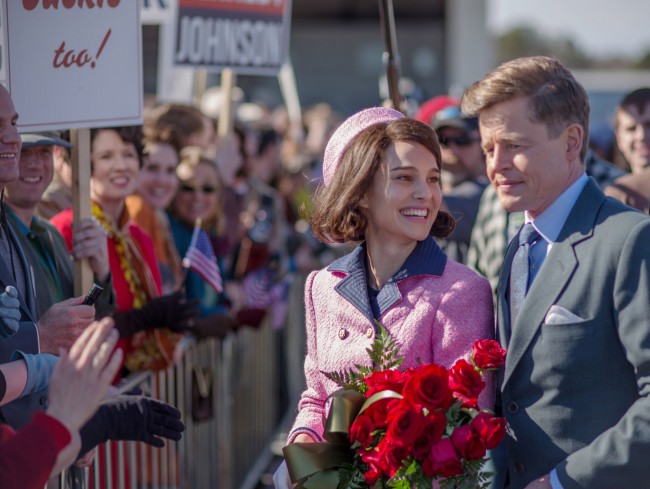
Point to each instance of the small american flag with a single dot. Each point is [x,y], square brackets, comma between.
[200,257]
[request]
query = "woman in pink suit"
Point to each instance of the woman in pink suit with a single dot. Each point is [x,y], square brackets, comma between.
[381,188]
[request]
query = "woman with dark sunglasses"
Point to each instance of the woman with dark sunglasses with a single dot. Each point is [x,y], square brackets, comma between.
[200,197]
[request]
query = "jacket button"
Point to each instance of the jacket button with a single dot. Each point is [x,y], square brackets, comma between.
[370,332]
[513,407]
[343,333]
[519,468]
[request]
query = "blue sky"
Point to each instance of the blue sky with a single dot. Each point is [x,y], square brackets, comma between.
[600,27]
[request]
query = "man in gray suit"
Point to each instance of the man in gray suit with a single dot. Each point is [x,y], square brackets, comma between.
[574,299]
[59,326]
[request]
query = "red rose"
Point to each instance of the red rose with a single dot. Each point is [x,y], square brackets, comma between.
[466,383]
[391,380]
[467,443]
[435,423]
[442,460]
[405,423]
[373,459]
[490,429]
[428,385]
[488,354]
[361,430]
[392,456]
[372,475]
[378,412]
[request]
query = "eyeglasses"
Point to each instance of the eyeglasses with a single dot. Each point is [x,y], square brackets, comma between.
[206,189]
[461,141]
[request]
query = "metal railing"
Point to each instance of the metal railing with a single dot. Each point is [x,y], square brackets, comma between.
[249,378]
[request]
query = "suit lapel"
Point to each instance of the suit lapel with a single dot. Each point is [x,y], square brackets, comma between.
[553,276]
[547,287]
[354,286]
[6,279]
[503,309]
[426,259]
[27,268]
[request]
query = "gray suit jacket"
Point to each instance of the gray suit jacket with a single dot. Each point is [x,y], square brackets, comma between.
[575,394]
[19,412]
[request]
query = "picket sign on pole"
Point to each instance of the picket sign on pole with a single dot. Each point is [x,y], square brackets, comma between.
[80,160]
[289,90]
[226,113]
[82,70]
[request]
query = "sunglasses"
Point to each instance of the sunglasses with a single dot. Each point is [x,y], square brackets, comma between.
[206,189]
[461,141]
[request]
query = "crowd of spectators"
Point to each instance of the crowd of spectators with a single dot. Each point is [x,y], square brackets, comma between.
[152,186]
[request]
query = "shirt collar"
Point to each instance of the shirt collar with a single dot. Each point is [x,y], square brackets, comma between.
[426,259]
[21,225]
[550,222]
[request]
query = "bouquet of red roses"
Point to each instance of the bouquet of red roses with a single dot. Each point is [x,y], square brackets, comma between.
[422,424]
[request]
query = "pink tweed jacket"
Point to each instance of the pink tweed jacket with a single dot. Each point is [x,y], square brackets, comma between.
[435,307]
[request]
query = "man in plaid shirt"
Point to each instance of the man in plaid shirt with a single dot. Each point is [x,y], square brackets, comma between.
[494,227]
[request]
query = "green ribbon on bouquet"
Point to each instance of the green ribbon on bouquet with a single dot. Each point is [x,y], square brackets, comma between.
[315,465]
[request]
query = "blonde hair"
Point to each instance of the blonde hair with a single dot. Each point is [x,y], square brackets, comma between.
[555,98]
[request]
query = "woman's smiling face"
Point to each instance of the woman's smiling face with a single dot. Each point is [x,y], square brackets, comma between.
[115,167]
[404,196]
[198,193]
[157,182]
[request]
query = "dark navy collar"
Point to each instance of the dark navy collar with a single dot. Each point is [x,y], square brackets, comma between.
[426,259]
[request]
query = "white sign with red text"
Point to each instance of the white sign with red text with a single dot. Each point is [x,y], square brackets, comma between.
[74,63]
[247,36]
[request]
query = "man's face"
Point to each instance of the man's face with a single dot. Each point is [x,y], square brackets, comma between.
[36,169]
[633,136]
[528,169]
[461,152]
[10,143]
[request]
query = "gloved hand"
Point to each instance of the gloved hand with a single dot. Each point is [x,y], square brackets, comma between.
[213,326]
[9,312]
[250,316]
[136,418]
[171,311]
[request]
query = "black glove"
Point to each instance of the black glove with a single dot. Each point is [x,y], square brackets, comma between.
[213,326]
[136,418]
[171,311]
[250,316]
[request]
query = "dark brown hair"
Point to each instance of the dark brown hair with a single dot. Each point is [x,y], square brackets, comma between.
[556,99]
[128,134]
[174,124]
[338,216]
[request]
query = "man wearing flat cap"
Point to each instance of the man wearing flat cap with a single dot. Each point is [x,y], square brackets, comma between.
[43,245]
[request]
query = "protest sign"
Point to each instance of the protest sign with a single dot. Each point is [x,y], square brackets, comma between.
[74,63]
[248,36]
[158,11]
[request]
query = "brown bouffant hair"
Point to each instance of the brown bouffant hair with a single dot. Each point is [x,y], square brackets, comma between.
[174,124]
[338,216]
[556,99]
[128,134]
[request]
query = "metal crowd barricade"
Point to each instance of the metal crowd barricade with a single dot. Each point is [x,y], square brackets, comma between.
[215,452]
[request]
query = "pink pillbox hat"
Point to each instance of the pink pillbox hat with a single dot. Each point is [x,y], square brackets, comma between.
[346,132]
